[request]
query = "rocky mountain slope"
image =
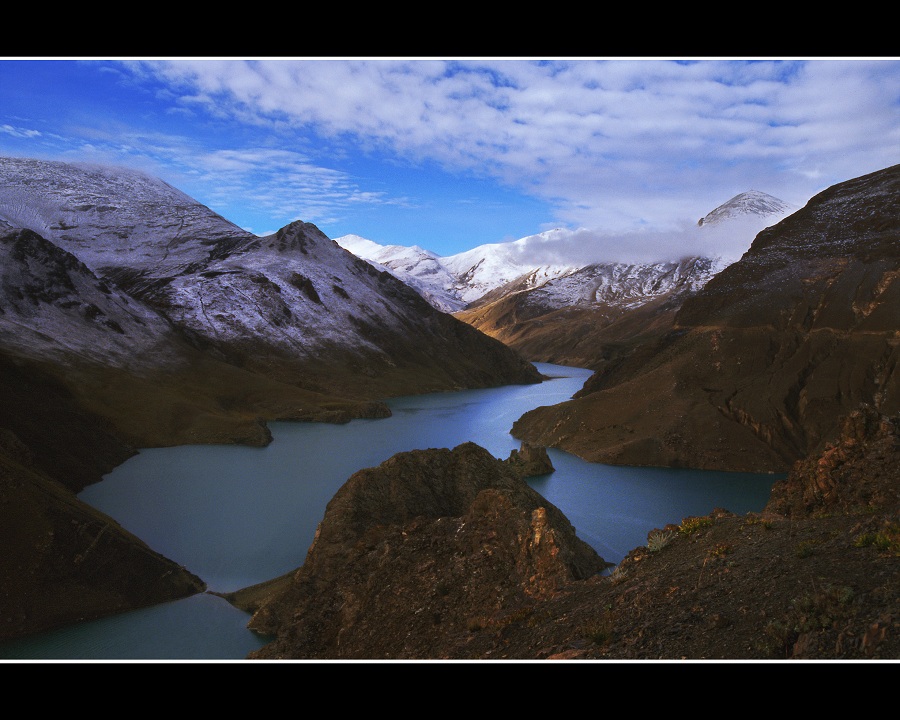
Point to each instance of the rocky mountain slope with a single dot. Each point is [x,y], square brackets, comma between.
[581,318]
[445,554]
[760,363]
[132,316]
[588,316]
[132,274]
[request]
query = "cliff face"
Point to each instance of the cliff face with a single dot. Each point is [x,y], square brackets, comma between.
[763,361]
[413,556]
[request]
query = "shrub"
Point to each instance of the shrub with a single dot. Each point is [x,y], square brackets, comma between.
[692,524]
[886,541]
[658,539]
[757,520]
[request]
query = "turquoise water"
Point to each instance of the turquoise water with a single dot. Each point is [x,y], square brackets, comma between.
[236,516]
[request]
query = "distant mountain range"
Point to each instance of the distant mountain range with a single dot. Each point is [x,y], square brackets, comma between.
[488,272]
[563,312]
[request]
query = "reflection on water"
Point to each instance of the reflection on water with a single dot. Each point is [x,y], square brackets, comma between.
[236,516]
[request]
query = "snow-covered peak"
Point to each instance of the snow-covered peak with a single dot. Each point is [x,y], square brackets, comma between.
[421,269]
[752,203]
[623,285]
[101,213]
[360,246]
[488,267]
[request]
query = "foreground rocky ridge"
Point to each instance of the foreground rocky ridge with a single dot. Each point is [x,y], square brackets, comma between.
[761,363]
[430,543]
[440,555]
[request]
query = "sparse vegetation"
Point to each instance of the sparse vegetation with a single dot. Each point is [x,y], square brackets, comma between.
[754,520]
[692,524]
[658,539]
[886,541]
[619,573]
[599,632]
[805,548]
[810,613]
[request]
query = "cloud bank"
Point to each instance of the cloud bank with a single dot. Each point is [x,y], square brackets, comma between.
[618,145]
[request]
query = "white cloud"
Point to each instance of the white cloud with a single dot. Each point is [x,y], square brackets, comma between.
[583,246]
[19,132]
[619,145]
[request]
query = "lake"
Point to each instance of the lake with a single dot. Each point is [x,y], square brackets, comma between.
[236,516]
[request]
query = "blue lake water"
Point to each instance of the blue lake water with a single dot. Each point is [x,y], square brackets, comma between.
[236,516]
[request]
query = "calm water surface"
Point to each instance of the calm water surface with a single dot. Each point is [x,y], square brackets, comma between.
[236,516]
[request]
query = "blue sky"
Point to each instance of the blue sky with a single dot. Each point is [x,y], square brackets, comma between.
[452,153]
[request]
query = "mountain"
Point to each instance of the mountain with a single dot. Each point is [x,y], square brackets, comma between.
[485,273]
[581,317]
[453,282]
[589,315]
[757,367]
[576,314]
[133,316]
[421,269]
[292,307]
[753,204]
[488,267]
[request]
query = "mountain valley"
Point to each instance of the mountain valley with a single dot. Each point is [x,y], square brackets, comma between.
[131,316]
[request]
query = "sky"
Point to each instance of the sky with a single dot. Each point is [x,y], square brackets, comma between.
[625,154]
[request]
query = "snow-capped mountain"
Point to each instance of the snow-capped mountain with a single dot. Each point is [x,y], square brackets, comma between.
[112,217]
[52,306]
[487,272]
[487,267]
[421,269]
[625,285]
[452,282]
[579,316]
[110,248]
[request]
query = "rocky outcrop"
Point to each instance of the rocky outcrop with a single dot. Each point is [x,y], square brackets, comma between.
[529,461]
[761,363]
[855,472]
[468,570]
[414,556]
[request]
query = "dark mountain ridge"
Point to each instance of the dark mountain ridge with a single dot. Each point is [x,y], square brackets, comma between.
[763,361]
